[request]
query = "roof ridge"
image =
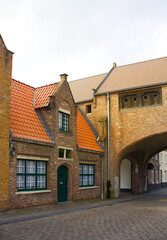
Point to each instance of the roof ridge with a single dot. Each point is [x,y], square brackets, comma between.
[22,83]
[154,59]
[101,83]
[87,77]
[48,85]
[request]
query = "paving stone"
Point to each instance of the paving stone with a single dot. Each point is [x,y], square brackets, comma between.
[137,219]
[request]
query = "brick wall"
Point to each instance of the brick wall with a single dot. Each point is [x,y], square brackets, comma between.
[62,99]
[5,83]
[91,158]
[127,127]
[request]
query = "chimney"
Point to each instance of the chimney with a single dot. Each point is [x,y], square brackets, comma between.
[114,64]
[63,77]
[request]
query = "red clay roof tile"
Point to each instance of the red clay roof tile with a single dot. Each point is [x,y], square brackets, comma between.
[42,94]
[24,121]
[85,137]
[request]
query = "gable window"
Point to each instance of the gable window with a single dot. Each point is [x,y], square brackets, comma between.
[86,175]
[65,153]
[31,175]
[88,109]
[63,121]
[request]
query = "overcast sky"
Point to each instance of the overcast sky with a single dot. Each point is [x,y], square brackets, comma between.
[80,37]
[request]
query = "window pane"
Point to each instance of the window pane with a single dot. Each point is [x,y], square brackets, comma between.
[85,180]
[60,120]
[80,180]
[20,166]
[41,167]
[65,122]
[80,169]
[90,180]
[20,182]
[68,153]
[30,182]
[30,166]
[41,181]
[61,153]
[85,169]
[91,167]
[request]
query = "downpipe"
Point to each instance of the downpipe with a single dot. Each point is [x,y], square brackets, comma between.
[108,147]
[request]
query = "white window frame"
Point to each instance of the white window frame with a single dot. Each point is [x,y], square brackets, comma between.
[65,149]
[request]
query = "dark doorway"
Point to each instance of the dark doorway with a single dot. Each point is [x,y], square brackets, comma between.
[62,184]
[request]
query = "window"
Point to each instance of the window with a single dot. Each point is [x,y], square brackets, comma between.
[65,153]
[31,175]
[86,175]
[141,99]
[88,108]
[63,122]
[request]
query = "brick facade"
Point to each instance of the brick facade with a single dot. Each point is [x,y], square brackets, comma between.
[135,133]
[61,100]
[5,83]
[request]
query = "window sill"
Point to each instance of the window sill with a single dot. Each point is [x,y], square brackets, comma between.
[33,192]
[71,159]
[87,188]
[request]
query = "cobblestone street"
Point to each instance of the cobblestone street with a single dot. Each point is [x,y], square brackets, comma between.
[136,217]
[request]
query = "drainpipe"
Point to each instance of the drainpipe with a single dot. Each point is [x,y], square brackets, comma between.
[108,138]
[102,194]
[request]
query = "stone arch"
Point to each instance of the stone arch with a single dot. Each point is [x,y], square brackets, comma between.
[139,153]
[64,104]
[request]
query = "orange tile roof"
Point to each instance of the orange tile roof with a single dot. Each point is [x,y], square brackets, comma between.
[42,94]
[24,121]
[85,137]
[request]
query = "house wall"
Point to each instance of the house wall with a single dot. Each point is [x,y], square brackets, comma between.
[95,191]
[68,140]
[98,118]
[5,84]
[163,168]
[127,126]
[30,198]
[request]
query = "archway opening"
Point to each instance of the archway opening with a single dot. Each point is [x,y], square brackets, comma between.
[126,176]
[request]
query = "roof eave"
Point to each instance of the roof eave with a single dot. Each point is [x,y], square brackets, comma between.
[32,141]
[133,88]
[88,150]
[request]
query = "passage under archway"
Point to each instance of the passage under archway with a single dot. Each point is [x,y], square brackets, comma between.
[125,176]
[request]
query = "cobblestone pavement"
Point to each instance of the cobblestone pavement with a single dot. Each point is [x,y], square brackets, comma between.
[130,218]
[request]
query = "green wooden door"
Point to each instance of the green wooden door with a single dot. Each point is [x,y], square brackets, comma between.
[62,184]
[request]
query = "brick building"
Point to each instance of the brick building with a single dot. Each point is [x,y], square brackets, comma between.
[128,108]
[153,173]
[55,156]
[163,168]
[5,83]
[72,141]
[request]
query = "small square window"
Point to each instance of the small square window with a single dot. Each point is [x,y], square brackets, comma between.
[88,108]
[64,153]
[61,153]
[68,153]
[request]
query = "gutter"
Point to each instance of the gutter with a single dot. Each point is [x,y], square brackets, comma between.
[108,146]
[32,141]
[133,88]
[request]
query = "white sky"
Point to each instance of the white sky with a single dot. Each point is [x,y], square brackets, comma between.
[80,37]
